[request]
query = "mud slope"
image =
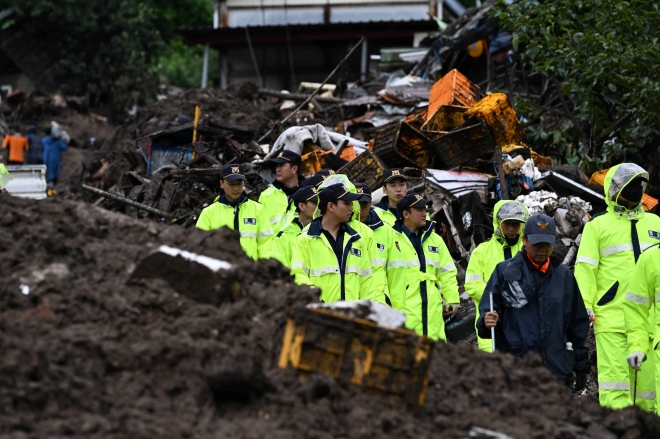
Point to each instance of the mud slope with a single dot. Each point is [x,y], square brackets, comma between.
[89,354]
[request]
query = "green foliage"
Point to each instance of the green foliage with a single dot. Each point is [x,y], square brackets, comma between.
[606,55]
[181,65]
[109,49]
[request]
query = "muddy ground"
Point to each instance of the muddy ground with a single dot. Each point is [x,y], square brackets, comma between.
[88,353]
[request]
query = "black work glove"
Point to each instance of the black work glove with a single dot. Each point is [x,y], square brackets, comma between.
[581,380]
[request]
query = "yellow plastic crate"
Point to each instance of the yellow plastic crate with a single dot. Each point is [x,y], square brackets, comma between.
[394,362]
[500,117]
[446,118]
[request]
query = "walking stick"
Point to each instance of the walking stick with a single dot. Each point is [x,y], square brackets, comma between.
[492,330]
[635,390]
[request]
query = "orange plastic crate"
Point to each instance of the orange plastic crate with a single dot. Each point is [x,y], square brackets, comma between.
[452,89]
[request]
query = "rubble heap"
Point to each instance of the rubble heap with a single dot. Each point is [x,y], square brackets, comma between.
[88,353]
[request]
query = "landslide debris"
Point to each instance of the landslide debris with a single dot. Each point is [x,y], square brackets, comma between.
[86,353]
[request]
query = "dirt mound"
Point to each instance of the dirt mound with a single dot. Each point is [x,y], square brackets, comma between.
[239,105]
[87,353]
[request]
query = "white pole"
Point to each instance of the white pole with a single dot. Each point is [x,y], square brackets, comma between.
[364,62]
[205,67]
[492,330]
[207,48]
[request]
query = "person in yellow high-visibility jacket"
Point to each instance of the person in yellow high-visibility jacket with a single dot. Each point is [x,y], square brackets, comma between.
[508,216]
[275,198]
[395,186]
[639,306]
[610,247]
[379,280]
[329,254]
[233,209]
[424,274]
[384,237]
[305,200]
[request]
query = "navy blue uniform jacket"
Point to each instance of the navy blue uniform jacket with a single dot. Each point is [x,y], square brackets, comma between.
[539,313]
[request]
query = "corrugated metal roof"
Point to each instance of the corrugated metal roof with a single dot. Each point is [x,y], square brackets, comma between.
[323,14]
[231,4]
[270,35]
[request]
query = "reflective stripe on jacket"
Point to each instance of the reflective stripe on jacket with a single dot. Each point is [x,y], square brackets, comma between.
[314,262]
[611,243]
[248,217]
[417,288]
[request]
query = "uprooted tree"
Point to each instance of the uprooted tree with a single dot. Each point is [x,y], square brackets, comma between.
[604,56]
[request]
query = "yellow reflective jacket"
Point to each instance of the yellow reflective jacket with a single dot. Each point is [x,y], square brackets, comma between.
[284,240]
[386,252]
[483,261]
[611,243]
[641,301]
[379,280]
[276,206]
[378,290]
[421,278]
[387,214]
[314,262]
[247,217]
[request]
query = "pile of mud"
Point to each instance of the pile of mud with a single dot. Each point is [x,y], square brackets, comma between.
[115,147]
[86,353]
[239,105]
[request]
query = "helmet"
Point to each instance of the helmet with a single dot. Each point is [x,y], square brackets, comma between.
[512,211]
[624,174]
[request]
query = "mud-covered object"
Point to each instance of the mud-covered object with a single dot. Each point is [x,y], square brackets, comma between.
[378,313]
[84,355]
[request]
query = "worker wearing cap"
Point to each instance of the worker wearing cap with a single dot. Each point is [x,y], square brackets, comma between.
[508,216]
[379,279]
[233,209]
[384,238]
[610,247]
[329,254]
[275,198]
[425,273]
[639,306]
[395,187]
[537,306]
[305,199]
